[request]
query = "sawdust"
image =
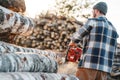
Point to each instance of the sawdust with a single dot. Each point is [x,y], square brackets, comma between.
[68,68]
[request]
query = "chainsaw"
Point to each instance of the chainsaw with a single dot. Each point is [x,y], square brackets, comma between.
[73,54]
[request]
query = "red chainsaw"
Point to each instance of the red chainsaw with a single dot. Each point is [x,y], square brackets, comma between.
[73,54]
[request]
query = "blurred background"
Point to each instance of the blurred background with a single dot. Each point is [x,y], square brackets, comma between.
[35,7]
[55,22]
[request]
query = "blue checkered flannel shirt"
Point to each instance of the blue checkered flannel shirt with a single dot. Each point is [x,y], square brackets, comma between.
[100,44]
[116,61]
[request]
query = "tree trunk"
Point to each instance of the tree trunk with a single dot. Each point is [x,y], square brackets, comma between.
[13,22]
[15,5]
[11,48]
[36,76]
[27,63]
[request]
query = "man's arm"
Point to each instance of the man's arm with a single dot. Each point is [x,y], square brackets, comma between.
[83,31]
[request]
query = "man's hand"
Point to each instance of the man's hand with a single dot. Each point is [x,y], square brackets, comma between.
[72,44]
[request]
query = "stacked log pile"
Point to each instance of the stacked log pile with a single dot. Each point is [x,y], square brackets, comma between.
[51,32]
[22,61]
[5,37]
[13,59]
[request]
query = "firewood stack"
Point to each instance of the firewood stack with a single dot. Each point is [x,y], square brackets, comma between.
[20,63]
[29,64]
[51,32]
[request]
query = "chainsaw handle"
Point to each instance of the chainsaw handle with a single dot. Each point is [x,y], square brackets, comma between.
[67,53]
[72,44]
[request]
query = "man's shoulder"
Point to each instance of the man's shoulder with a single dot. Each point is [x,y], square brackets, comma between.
[91,21]
[96,19]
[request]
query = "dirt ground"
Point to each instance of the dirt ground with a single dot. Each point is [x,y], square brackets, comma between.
[68,68]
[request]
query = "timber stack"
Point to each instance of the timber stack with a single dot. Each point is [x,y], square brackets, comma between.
[51,32]
[19,63]
[47,31]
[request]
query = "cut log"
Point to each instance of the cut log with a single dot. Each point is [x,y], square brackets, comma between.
[15,5]
[14,22]
[27,63]
[36,76]
[11,48]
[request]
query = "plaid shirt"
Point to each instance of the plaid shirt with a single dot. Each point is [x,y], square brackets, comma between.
[116,61]
[99,44]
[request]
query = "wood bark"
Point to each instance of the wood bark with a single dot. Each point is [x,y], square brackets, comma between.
[35,76]
[15,5]
[11,48]
[13,22]
[27,63]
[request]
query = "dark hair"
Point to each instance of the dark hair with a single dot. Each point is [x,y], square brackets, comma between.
[102,12]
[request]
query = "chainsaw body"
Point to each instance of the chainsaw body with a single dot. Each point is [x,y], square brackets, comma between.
[73,54]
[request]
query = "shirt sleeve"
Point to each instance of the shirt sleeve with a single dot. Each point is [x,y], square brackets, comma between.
[81,32]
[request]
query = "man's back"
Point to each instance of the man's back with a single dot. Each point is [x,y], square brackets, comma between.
[100,45]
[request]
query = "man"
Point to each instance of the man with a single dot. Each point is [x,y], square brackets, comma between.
[100,40]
